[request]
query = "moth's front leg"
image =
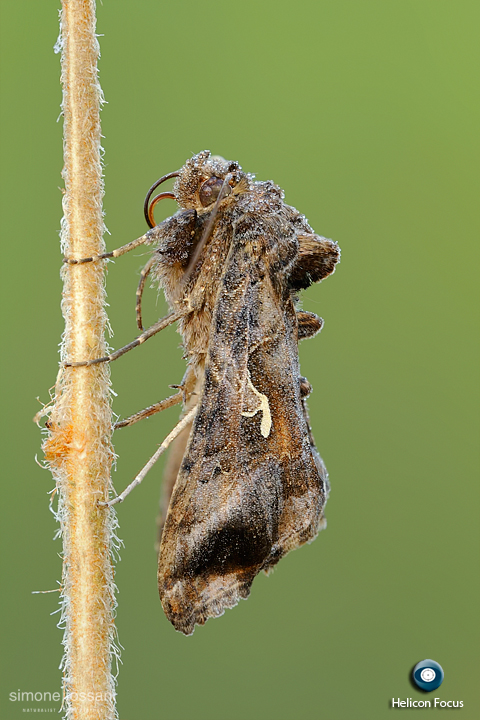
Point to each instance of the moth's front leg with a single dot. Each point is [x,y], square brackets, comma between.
[171,237]
[146,239]
[172,232]
[316,259]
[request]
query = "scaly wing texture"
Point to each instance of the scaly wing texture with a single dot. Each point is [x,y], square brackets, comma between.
[250,487]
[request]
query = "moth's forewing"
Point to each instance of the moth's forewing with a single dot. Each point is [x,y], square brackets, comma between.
[250,487]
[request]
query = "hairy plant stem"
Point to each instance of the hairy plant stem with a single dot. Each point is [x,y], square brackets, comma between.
[78,448]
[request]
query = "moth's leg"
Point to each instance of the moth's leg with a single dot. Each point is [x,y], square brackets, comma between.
[171,436]
[147,238]
[170,474]
[191,385]
[151,410]
[152,330]
[309,324]
[316,259]
[141,285]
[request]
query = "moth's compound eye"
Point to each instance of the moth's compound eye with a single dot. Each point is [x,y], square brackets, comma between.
[209,190]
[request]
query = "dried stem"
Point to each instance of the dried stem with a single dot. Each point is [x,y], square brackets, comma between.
[78,448]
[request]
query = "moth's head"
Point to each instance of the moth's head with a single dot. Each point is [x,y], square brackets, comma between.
[202,178]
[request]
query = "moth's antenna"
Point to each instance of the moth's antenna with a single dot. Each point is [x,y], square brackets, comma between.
[148,207]
[207,232]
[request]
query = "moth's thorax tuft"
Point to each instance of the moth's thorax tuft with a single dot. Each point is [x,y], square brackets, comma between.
[196,187]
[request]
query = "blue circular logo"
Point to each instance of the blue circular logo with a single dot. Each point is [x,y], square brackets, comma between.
[428,675]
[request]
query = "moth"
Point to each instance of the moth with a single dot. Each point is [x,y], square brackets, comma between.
[248,482]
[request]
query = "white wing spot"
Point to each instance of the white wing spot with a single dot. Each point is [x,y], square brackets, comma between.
[264,408]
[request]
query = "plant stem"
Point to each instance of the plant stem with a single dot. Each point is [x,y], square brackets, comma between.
[78,448]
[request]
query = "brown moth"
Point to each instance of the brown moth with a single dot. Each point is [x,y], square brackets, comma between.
[248,482]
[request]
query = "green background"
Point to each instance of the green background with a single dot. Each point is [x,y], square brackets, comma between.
[366,113]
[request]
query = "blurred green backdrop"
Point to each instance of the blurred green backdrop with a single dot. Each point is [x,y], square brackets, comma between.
[366,113]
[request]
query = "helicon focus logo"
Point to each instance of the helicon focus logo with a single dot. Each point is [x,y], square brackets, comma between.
[428,675]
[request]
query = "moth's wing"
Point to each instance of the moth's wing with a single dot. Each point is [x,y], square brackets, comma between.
[250,487]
